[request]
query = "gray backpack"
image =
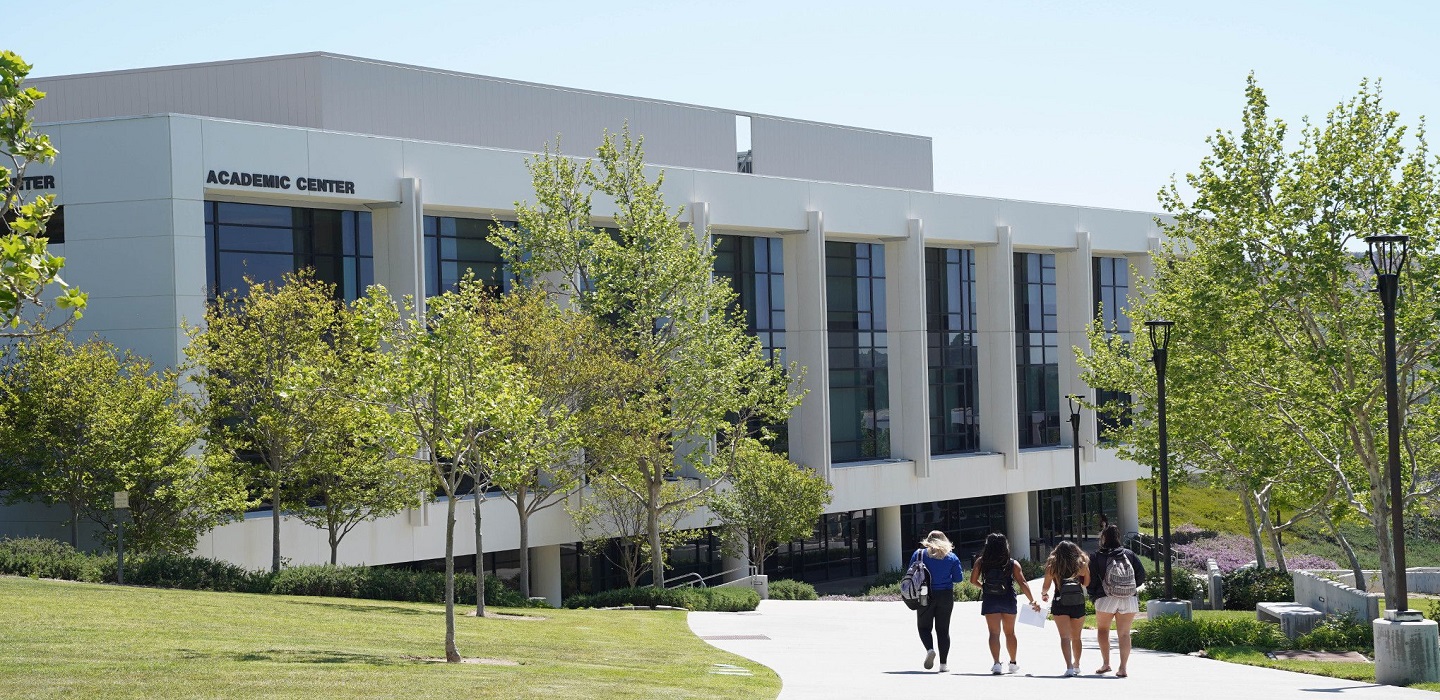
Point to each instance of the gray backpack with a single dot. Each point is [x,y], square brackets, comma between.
[1119,579]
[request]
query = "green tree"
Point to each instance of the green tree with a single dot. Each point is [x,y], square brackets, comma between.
[694,374]
[78,423]
[1265,278]
[447,384]
[266,362]
[26,266]
[772,501]
[615,525]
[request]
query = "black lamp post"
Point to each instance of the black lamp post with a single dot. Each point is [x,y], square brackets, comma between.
[1160,341]
[1387,257]
[1076,521]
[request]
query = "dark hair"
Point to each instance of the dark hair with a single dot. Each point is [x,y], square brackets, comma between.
[996,552]
[1066,560]
[1110,537]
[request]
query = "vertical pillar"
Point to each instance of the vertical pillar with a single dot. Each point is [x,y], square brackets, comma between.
[807,344]
[908,366]
[1017,523]
[995,323]
[1075,288]
[889,548]
[737,566]
[1128,496]
[545,573]
[399,234]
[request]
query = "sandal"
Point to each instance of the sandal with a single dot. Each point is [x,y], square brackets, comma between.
[1102,670]
[1120,674]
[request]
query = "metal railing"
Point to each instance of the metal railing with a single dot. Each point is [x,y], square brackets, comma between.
[694,579]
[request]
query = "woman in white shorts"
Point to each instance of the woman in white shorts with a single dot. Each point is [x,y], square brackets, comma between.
[1118,607]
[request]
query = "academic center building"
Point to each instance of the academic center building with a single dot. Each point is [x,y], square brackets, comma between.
[936,330]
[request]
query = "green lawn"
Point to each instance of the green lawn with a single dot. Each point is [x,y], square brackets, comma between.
[1362,672]
[60,639]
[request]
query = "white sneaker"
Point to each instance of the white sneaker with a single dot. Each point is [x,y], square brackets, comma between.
[1071,672]
[929,659]
[944,668]
[1014,668]
[995,670]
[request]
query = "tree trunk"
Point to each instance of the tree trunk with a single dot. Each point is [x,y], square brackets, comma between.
[452,654]
[1349,551]
[74,523]
[1380,520]
[1254,528]
[652,518]
[1263,505]
[524,543]
[334,543]
[275,523]
[479,558]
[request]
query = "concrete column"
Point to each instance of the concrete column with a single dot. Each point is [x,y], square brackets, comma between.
[1128,496]
[1406,650]
[887,538]
[909,367]
[399,234]
[1073,283]
[545,573]
[806,342]
[1017,523]
[995,325]
[739,567]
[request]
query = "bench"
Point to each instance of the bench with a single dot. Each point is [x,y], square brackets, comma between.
[1295,619]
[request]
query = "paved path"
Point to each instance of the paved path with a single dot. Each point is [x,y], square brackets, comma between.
[840,649]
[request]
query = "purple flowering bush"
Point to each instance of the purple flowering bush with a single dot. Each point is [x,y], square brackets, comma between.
[1231,552]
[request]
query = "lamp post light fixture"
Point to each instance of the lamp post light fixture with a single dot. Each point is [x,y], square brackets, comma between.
[1387,257]
[1160,341]
[1077,521]
[122,504]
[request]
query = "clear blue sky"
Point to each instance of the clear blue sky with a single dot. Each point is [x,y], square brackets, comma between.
[1093,102]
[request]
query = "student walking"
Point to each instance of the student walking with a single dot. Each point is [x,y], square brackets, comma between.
[1115,573]
[945,571]
[1068,569]
[997,573]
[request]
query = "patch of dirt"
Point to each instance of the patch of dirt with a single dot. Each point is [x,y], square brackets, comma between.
[1301,655]
[506,616]
[472,660]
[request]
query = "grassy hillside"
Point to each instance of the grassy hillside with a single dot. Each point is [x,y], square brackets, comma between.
[60,639]
[1221,511]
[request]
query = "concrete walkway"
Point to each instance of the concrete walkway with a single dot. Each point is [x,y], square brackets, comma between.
[840,649]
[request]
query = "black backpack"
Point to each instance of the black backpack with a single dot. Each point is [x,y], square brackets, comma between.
[1000,580]
[1070,593]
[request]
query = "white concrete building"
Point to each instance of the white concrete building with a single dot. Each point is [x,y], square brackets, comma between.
[935,328]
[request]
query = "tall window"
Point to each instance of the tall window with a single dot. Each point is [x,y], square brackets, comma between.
[950,333]
[1037,349]
[756,270]
[859,381]
[264,242]
[965,521]
[454,247]
[1112,300]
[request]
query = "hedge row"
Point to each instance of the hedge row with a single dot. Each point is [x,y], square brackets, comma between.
[728,599]
[44,558]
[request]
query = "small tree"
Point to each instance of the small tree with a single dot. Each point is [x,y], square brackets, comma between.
[773,500]
[615,525]
[78,423]
[448,386]
[266,363]
[27,268]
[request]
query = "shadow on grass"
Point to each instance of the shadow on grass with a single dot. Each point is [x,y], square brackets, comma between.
[298,656]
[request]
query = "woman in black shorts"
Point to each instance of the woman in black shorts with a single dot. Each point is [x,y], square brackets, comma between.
[1068,569]
[996,574]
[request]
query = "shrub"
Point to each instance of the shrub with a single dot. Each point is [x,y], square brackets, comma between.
[641,597]
[1175,634]
[889,591]
[965,591]
[1338,633]
[191,573]
[45,558]
[785,589]
[1187,584]
[733,598]
[887,578]
[1246,587]
[1032,569]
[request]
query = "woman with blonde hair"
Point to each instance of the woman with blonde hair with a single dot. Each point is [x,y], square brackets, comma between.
[1069,570]
[945,571]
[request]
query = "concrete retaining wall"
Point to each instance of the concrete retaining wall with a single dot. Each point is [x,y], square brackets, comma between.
[1334,597]
[1418,579]
[1216,588]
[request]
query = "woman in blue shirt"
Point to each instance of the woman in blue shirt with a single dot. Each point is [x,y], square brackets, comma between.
[945,572]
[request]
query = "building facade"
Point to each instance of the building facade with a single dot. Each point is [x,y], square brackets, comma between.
[936,329]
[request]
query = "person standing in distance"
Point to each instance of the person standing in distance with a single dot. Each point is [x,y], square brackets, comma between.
[1069,571]
[945,571]
[996,573]
[1113,589]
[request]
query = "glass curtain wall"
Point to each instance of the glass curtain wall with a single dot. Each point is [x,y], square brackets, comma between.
[1037,349]
[1054,507]
[265,242]
[455,247]
[842,546]
[965,521]
[1112,300]
[950,333]
[755,268]
[859,380]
